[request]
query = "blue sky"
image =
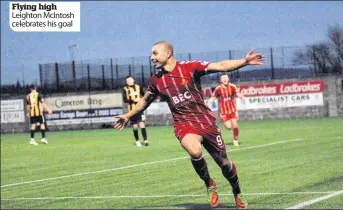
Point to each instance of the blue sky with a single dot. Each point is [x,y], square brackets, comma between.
[111,29]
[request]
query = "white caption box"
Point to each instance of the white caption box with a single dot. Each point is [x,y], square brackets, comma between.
[44,16]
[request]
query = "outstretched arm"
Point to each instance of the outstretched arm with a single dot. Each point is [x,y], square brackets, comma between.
[230,65]
[142,105]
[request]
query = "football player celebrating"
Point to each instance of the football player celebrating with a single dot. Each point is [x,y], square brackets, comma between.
[194,123]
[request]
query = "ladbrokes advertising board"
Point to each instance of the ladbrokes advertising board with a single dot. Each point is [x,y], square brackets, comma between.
[290,94]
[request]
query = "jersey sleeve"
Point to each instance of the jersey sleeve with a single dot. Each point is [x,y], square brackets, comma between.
[215,92]
[200,67]
[152,87]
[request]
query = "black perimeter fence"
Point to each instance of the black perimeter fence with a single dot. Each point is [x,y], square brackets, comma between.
[109,74]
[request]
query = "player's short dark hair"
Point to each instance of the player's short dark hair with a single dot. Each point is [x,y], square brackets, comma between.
[33,87]
[128,77]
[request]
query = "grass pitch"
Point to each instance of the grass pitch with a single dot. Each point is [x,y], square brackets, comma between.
[281,164]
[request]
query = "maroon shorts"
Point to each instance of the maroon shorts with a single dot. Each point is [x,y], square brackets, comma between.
[212,138]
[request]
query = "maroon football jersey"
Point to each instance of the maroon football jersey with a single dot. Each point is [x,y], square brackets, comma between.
[182,90]
[227,95]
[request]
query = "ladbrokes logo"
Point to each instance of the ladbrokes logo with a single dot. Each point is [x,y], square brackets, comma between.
[181,98]
[283,88]
[264,90]
[298,88]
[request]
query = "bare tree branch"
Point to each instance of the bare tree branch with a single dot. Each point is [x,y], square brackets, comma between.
[335,34]
[325,57]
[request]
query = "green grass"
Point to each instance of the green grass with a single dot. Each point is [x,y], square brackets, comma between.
[290,156]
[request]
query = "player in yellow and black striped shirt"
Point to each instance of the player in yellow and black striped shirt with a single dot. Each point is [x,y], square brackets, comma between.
[34,110]
[132,92]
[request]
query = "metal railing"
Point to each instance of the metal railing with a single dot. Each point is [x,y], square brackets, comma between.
[109,74]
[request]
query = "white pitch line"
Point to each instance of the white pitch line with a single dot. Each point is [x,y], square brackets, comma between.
[92,172]
[141,164]
[264,145]
[306,203]
[160,196]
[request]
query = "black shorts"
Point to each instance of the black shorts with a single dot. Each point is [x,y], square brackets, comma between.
[37,119]
[136,118]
